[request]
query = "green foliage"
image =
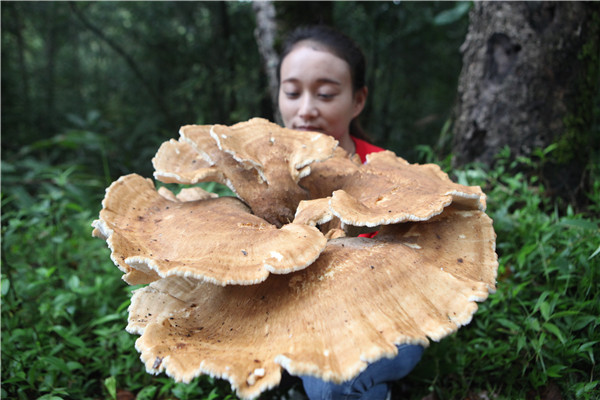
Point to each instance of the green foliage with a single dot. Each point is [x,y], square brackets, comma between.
[64,306]
[542,326]
[133,72]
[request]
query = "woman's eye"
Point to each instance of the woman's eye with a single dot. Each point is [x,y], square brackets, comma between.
[326,96]
[291,95]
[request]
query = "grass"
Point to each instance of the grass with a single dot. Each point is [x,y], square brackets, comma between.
[541,327]
[64,306]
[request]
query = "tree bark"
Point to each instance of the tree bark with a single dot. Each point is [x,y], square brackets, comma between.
[265,34]
[521,76]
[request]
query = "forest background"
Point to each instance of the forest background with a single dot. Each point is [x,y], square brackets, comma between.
[91,89]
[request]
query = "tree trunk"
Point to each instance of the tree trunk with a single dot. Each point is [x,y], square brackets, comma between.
[50,46]
[265,34]
[524,70]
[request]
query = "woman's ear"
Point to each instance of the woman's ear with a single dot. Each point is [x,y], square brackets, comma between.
[360,98]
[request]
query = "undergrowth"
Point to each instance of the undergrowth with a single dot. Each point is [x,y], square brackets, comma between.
[541,328]
[64,306]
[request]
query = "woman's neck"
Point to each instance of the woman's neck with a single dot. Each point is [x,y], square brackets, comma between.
[347,144]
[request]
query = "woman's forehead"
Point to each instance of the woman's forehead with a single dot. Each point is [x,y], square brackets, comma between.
[315,46]
[308,59]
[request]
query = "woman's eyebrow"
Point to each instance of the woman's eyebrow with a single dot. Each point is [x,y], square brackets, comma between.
[319,80]
[329,80]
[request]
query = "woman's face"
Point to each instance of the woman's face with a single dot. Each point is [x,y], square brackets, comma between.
[316,92]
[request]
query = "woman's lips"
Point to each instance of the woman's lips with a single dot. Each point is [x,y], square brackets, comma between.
[307,128]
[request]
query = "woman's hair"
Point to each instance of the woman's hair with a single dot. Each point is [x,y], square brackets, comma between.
[341,46]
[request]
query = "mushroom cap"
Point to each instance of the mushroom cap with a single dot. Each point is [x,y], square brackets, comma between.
[330,175]
[362,297]
[187,194]
[179,162]
[389,190]
[261,144]
[239,291]
[259,161]
[313,212]
[216,239]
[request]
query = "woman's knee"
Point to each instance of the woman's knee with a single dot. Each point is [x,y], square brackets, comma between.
[369,383]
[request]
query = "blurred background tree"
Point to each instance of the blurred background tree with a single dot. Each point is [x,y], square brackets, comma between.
[135,72]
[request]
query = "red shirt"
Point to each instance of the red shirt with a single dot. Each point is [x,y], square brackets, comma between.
[363,148]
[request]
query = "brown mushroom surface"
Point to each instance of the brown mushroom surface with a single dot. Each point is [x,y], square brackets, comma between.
[330,175]
[215,239]
[259,161]
[241,288]
[273,150]
[389,190]
[361,298]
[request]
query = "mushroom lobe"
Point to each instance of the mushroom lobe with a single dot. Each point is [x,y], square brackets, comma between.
[258,160]
[152,237]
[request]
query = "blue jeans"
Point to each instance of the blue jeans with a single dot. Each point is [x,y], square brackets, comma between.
[372,383]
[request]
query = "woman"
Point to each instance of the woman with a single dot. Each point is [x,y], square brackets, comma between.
[322,88]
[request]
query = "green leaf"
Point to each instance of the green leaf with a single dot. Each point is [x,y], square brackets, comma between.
[5,286]
[545,310]
[73,365]
[554,330]
[106,318]
[554,371]
[579,223]
[58,363]
[533,324]
[525,251]
[147,393]
[111,385]
[521,342]
[454,14]
[19,377]
[595,253]
[562,314]
[73,282]
[588,348]
[75,341]
[585,388]
[583,321]
[214,394]
[509,324]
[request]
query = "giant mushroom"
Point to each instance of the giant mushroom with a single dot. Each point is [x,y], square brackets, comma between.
[242,288]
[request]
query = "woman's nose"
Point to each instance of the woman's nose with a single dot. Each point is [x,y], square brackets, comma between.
[308,108]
